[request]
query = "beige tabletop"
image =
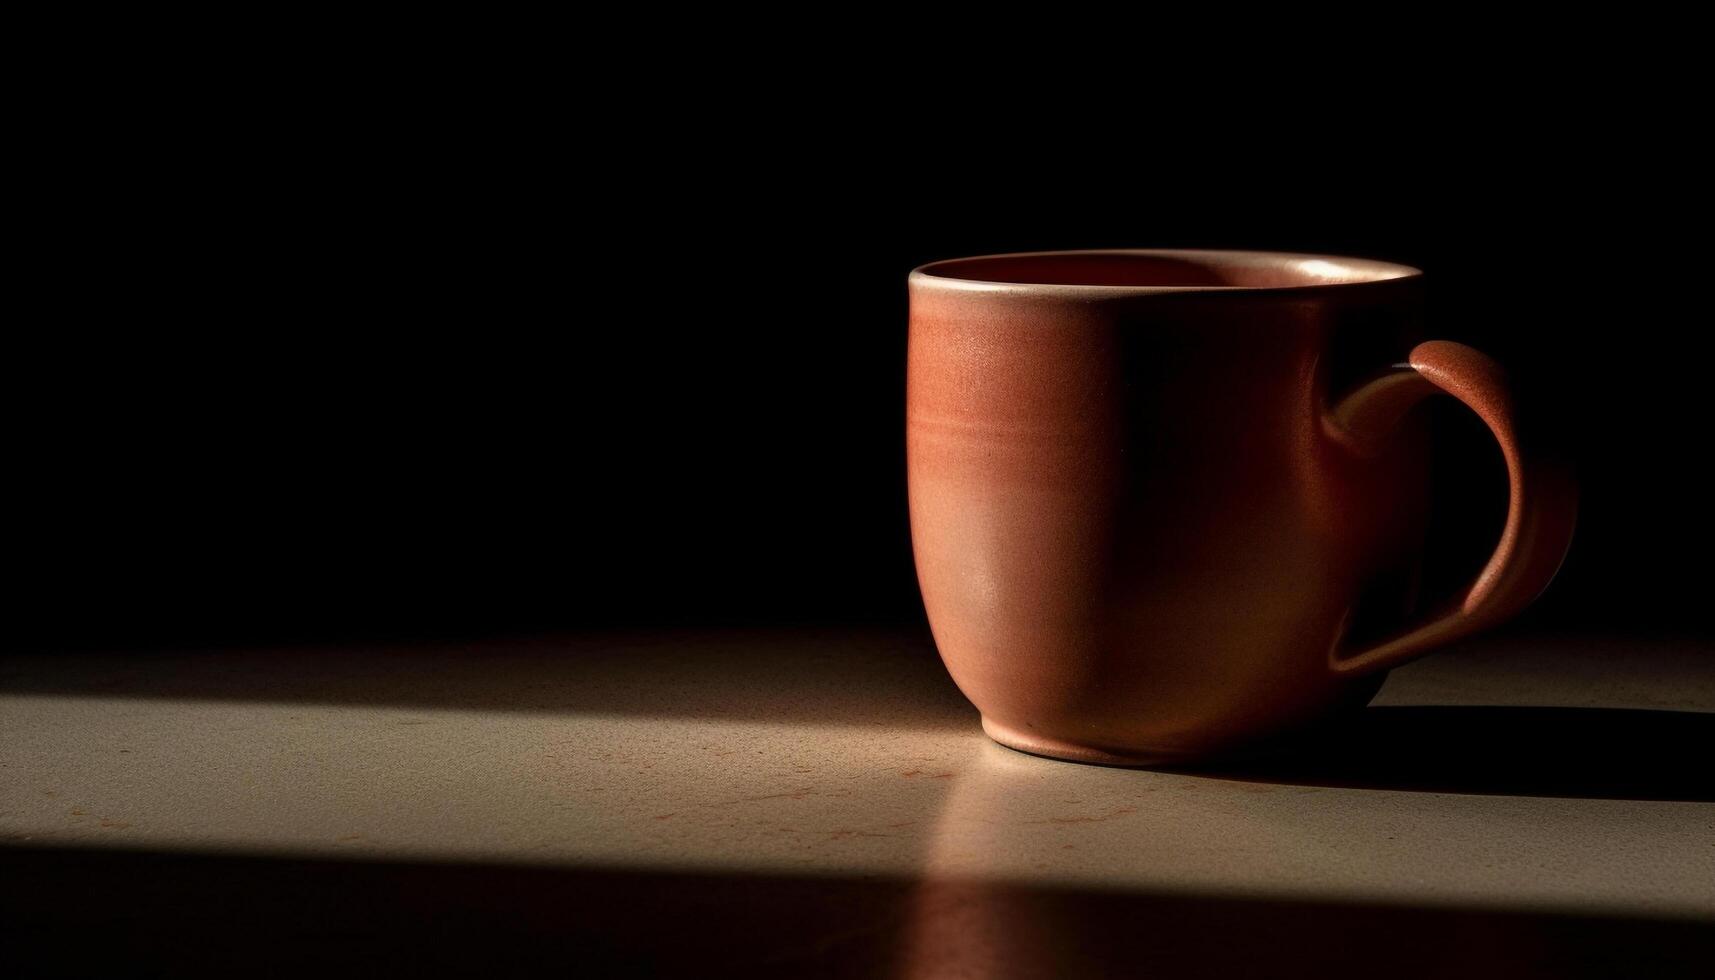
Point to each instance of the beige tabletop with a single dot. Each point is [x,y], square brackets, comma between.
[820,801]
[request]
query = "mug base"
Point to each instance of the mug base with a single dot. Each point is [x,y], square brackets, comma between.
[1052,748]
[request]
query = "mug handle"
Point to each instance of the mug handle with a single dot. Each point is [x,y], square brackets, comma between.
[1540,515]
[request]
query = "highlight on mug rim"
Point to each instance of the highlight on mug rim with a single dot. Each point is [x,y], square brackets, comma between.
[1143,271]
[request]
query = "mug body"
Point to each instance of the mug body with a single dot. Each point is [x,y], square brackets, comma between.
[1137,537]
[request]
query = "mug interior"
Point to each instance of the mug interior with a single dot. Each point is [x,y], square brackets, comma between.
[1166,269]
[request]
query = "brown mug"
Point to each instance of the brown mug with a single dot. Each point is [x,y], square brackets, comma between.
[1160,500]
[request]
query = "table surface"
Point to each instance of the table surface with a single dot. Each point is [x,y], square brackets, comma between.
[793,801]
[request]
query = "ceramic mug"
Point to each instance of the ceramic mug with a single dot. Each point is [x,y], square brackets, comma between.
[1164,502]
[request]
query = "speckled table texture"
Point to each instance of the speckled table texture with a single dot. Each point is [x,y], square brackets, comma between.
[822,801]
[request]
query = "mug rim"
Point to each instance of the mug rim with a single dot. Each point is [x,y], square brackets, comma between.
[1320,272]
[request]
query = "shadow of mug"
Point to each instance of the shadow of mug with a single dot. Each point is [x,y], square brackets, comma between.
[1591,753]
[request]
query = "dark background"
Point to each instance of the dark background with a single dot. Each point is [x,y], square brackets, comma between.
[412,377]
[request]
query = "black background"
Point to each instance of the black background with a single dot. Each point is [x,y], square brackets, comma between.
[436,377]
